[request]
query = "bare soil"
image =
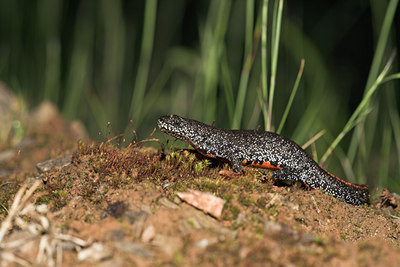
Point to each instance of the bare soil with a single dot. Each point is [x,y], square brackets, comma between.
[124,199]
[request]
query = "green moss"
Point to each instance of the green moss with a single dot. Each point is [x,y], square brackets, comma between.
[178,257]
[321,240]
[88,219]
[272,210]
[343,235]
[232,212]
[259,229]
[246,199]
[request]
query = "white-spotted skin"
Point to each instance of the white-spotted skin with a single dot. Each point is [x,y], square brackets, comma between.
[254,146]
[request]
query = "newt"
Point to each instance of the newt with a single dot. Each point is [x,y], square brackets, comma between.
[261,149]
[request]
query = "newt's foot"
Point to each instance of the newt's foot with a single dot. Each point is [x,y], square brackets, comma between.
[230,174]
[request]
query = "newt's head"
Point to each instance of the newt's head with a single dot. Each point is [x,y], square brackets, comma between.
[190,131]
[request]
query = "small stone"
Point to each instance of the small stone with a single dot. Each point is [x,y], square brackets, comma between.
[204,201]
[308,238]
[114,235]
[96,252]
[117,209]
[42,208]
[54,163]
[146,209]
[166,203]
[168,244]
[135,216]
[204,243]
[68,245]
[134,248]
[148,234]
[272,227]
[137,219]
[194,217]
[166,186]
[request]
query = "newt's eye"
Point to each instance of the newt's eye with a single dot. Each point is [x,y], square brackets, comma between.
[176,121]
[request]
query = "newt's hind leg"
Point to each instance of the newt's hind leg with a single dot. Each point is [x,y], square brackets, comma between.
[292,175]
[287,174]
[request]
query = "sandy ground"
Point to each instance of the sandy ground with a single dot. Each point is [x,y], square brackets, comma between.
[122,206]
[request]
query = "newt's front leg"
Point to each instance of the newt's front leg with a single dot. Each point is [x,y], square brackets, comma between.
[236,165]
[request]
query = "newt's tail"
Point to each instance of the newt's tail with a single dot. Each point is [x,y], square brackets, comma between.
[316,177]
[355,194]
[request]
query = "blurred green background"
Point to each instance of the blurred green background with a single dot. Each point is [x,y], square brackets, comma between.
[116,61]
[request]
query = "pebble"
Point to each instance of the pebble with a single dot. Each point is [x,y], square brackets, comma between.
[54,163]
[166,186]
[166,203]
[135,216]
[135,248]
[146,209]
[204,201]
[168,244]
[114,235]
[148,234]
[96,252]
[272,227]
[204,243]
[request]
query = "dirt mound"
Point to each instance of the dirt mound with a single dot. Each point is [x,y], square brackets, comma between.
[120,205]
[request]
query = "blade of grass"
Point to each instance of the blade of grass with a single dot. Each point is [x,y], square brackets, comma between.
[311,112]
[213,45]
[254,116]
[264,66]
[227,85]
[80,61]
[53,69]
[276,33]
[313,139]
[50,22]
[359,112]
[114,56]
[244,76]
[346,165]
[391,77]
[382,43]
[150,16]
[249,26]
[395,121]
[98,111]
[155,90]
[384,158]
[291,98]
[376,63]
[247,45]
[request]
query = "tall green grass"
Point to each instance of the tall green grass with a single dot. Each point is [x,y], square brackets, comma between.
[241,63]
[150,16]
